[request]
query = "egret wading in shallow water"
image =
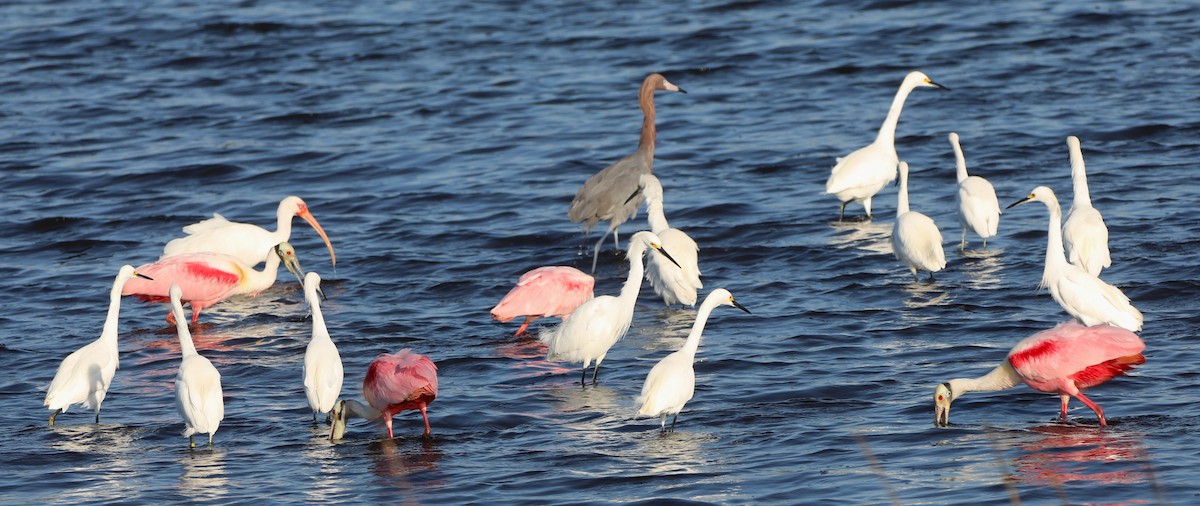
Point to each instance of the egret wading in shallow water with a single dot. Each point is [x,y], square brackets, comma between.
[209,278]
[860,175]
[675,282]
[916,240]
[322,362]
[83,377]
[394,383]
[1083,295]
[1065,360]
[672,381]
[1085,235]
[602,197]
[249,243]
[978,208]
[198,384]
[599,323]
[544,291]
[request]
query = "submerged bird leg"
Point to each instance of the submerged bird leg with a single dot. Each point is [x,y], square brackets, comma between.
[1065,399]
[528,320]
[210,438]
[842,212]
[426,417]
[616,237]
[97,415]
[328,418]
[673,420]
[963,245]
[191,441]
[170,318]
[53,415]
[663,425]
[595,372]
[583,375]
[1095,407]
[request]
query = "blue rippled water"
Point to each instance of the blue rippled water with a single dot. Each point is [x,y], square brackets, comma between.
[440,144]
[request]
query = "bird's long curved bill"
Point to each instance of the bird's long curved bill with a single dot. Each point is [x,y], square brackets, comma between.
[1017,203]
[668,255]
[307,215]
[293,266]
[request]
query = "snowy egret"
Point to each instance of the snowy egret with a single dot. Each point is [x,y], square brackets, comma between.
[1085,235]
[209,278]
[197,385]
[322,363]
[860,175]
[672,381]
[678,282]
[978,208]
[250,243]
[394,383]
[545,291]
[916,240]
[598,324]
[83,377]
[1066,360]
[602,197]
[1085,296]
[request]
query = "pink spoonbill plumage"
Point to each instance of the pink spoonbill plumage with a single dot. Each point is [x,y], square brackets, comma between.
[545,291]
[250,243]
[394,383]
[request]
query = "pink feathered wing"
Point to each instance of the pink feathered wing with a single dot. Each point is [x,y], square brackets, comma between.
[545,291]
[404,380]
[205,278]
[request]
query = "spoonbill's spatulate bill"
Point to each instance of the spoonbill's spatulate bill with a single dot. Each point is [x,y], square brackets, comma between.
[249,243]
[860,175]
[676,282]
[394,383]
[84,376]
[672,381]
[545,291]
[978,207]
[1065,360]
[916,240]
[603,196]
[594,327]
[198,394]
[322,363]
[1083,295]
[1085,235]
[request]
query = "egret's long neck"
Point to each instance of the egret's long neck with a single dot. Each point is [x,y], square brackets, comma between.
[355,408]
[693,338]
[186,346]
[646,143]
[655,216]
[633,283]
[109,332]
[257,281]
[961,162]
[887,132]
[1056,255]
[319,329]
[902,196]
[1079,179]
[1000,378]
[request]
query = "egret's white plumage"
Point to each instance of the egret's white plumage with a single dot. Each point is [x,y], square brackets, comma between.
[978,208]
[1082,294]
[198,384]
[596,325]
[322,364]
[83,377]
[861,174]
[916,240]
[675,283]
[1085,235]
[672,381]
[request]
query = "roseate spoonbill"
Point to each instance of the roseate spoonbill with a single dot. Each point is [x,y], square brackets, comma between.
[675,283]
[83,377]
[916,240]
[209,278]
[322,363]
[1085,296]
[598,324]
[1085,235]
[672,381]
[601,197]
[394,383]
[860,175]
[197,385]
[978,208]
[545,291]
[1066,360]
[250,243]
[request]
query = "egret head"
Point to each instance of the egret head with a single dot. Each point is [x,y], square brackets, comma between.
[917,78]
[312,282]
[726,298]
[1040,194]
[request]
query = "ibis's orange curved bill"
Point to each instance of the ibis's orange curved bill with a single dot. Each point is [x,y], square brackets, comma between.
[307,215]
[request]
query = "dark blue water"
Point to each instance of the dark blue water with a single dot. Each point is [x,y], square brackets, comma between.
[440,146]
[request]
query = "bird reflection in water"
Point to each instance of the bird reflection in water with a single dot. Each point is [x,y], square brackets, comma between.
[407,463]
[981,268]
[1058,454]
[870,236]
[203,478]
[527,353]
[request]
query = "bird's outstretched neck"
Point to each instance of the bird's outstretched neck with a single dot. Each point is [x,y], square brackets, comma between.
[347,409]
[1001,378]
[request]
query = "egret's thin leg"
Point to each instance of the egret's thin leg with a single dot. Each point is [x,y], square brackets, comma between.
[583,374]
[673,420]
[616,237]
[963,246]
[663,427]
[210,438]
[595,372]
[97,415]
[192,441]
[53,415]
[985,243]
[842,213]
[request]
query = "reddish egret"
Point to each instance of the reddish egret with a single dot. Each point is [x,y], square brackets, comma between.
[545,291]
[1085,235]
[250,243]
[916,240]
[978,208]
[394,383]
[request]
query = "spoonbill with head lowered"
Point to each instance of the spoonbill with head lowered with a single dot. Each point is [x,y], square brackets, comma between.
[249,243]
[860,175]
[394,383]
[322,363]
[83,377]
[675,282]
[598,324]
[197,385]
[545,291]
[1085,296]
[916,240]
[602,197]
[1085,235]
[978,208]
[1066,360]
[672,381]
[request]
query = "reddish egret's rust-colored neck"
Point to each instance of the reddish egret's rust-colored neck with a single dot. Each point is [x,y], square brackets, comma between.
[646,101]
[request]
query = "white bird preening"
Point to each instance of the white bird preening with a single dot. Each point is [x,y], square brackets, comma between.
[197,385]
[675,282]
[250,243]
[1085,235]
[323,374]
[1083,295]
[672,381]
[598,324]
[978,208]
[83,377]
[860,175]
[916,240]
